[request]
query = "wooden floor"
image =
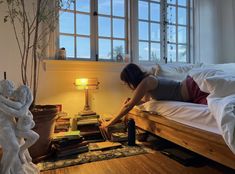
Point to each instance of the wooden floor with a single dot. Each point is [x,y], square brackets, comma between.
[141,164]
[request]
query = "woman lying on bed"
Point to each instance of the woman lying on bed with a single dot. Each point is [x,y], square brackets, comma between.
[146,85]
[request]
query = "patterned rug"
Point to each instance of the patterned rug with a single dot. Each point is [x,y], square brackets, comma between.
[123,151]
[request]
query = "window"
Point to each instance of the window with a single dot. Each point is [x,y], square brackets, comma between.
[92,30]
[163,30]
[98,30]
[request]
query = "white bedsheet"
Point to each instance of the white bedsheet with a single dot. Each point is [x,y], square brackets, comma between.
[194,115]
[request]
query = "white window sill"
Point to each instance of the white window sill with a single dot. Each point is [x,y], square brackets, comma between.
[75,65]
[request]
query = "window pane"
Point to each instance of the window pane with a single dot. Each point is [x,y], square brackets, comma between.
[182,2]
[83,5]
[105,49]
[118,8]
[155,52]
[171,49]
[182,35]
[66,5]
[104,26]
[182,52]
[118,28]
[83,24]
[155,11]
[68,43]
[182,17]
[83,48]
[171,1]
[171,14]
[104,7]
[143,31]
[118,50]
[171,33]
[143,51]
[156,0]
[155,32]
[143,10]
[66,22]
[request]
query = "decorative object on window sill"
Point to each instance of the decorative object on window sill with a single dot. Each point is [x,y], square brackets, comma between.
[86,84]
[62,54]
[127,58]
[119,58]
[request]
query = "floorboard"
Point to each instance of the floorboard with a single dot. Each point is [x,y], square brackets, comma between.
[156,163]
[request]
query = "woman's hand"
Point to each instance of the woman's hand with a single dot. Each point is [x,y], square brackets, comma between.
[126,101]
[104,129]
[104,124]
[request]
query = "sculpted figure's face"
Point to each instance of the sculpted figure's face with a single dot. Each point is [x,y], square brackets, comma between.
[19,94]
[6,88]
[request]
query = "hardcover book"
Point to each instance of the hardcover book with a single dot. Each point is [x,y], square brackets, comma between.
[103,145]
[118,130]
[119,136]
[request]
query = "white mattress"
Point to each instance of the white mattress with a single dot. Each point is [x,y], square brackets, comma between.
[194,115]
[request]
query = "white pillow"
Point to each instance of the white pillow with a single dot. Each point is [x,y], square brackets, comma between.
[221,86]
[228,68]
[174,71]
[149,68]
[200,74]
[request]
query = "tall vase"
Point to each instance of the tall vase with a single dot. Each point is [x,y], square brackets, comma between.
[44,117]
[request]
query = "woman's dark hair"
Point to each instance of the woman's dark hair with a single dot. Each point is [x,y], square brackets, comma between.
[132,75]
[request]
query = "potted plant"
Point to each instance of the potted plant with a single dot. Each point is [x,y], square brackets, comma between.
[33,21]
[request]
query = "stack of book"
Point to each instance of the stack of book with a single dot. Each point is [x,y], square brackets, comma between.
[69,143]
[62,124]
[89,128]
[119,136]
[116,132]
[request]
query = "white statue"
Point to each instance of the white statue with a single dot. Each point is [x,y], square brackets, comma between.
[16,159]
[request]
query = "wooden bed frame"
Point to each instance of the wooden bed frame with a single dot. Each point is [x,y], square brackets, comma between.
[205,143]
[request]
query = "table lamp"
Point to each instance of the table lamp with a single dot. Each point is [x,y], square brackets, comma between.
[86,84]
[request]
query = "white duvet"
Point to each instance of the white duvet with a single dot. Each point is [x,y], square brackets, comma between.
[221,101]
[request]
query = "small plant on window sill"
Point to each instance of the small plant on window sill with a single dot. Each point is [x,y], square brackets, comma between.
[33,22]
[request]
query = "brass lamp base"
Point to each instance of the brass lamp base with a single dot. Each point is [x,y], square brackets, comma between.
[87,112]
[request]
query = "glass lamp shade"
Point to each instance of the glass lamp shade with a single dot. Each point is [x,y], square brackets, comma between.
[86,83]
[81,83]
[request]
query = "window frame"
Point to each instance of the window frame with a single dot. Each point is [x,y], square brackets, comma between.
[163,32]
[132,34]
[94,34]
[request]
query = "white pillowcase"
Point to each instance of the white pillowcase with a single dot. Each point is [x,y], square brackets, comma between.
[228,68]
[199,75]
[174,71]
[221,86]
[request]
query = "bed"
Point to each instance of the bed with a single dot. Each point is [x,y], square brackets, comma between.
[206,143]
[206,130]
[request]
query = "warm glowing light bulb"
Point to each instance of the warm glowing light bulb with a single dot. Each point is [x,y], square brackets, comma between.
[81,83]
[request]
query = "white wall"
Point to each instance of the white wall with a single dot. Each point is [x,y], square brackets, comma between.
[228,30]
[57,86]
[214,31]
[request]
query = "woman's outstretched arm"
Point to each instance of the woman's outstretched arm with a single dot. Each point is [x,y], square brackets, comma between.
[145,85]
